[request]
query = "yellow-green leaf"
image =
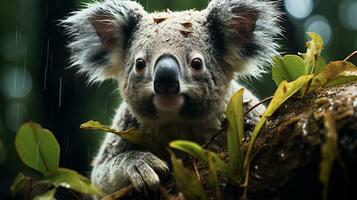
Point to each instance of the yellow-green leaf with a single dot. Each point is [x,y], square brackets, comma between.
[186,181]
[135,136]
[319,65]
[329,151]
[287,68]
[49,195]
[199,153]
[213,174]
[334,74]
[314,48]
[191,148]
[97,126]
[37,147]
[235,133]
[19,183]
[283,93]
[70,179]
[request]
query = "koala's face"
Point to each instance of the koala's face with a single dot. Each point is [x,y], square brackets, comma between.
[172,70]
[173,65]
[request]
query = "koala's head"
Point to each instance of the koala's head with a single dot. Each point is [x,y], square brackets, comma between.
[173,65]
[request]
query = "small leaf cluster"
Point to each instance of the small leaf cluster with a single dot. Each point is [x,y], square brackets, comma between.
[233,168]
[302,75]
[291,67]
[39,150]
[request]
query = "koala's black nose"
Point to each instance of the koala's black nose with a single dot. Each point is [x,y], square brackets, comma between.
[166,76]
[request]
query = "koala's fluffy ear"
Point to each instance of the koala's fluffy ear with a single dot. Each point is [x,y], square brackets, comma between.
[101,32]
[244,31]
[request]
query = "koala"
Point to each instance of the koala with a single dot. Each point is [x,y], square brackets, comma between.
[176,72]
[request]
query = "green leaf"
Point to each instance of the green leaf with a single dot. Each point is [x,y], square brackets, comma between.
[319,65]
[314,48]
[19,183]
[287,68]
[334,74]
[213,167]
[283,93]
[191,148]
[135,136]
[329,151]
[235,133]
[37,147]
[186,180]
[72,180]
[49,195]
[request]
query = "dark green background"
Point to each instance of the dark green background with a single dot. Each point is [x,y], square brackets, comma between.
[31,40]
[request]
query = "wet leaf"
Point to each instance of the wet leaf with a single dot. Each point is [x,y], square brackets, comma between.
[19,183]
[319,65]
[191,148]
[283,93]
[134,136]
[186,180]
[37,147]
[329,151]
[235,132]
[334,74]
[314,48]
[70,179]
[49,195]
[213,174]
[97,126]
[287,68]
[199,153]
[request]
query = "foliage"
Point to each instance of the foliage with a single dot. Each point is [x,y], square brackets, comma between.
[187,181]
[308,71]
[38,149]
[141,140]
[283,93]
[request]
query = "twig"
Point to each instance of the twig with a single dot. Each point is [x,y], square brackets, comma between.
[29,189]
[74,194]
[258,104]
[352,55]
[215,135]
[224,128]
[195,167]
[120,193]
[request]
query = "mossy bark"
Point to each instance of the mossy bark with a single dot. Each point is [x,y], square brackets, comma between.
[287,153]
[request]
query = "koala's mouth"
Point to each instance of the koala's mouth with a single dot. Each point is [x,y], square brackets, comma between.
[165,102]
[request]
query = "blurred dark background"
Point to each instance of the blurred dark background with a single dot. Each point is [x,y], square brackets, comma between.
[36,86]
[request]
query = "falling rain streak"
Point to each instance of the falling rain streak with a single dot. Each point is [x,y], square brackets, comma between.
[24,71]
[60,93]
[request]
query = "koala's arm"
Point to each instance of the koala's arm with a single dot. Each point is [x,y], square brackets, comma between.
[119,164]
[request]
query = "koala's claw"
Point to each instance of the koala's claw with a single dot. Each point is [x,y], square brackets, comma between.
[144,171]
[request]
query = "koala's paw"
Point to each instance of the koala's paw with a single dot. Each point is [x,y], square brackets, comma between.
[143,170]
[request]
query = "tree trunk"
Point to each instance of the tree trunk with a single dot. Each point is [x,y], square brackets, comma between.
[287,153]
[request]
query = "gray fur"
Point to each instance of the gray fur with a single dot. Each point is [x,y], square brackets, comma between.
[231,37]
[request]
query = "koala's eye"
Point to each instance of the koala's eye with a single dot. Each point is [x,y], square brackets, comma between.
[140,64]
[197,64]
